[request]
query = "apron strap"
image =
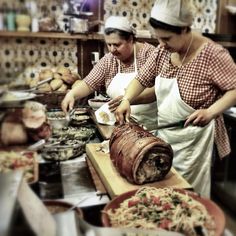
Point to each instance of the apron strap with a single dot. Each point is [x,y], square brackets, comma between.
[135,62]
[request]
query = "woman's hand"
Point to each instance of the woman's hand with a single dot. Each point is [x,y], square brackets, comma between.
[199,118]
[114,103]
[68,102]
[123,111]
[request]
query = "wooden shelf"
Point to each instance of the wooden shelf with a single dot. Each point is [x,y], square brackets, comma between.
[96,36]
[84,36]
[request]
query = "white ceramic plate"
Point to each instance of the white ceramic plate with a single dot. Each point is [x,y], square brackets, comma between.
[15,96]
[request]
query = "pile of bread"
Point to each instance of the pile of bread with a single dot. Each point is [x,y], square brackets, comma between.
[62,79]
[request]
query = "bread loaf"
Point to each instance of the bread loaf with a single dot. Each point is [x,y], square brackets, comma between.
[69,78]
[56,75]
[45,74]
[77,76]
[45,88]
[56,83]
[63,70]
[63,88]
[138,155]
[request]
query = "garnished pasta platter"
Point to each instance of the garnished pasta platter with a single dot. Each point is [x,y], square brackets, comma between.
[166,208]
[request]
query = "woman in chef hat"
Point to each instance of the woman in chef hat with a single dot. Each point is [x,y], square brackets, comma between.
[116,69]
[195,81]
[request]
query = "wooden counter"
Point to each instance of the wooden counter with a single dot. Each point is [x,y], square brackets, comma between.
[115,184]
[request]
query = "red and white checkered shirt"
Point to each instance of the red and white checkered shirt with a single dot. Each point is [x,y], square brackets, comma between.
[107,67]
[201,81]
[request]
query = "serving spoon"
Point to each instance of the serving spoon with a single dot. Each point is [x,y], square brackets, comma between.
[69,115]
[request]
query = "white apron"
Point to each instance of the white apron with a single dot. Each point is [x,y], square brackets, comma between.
[146,114]
[192,145]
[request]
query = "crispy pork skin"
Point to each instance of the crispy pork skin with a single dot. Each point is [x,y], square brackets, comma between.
[138,155]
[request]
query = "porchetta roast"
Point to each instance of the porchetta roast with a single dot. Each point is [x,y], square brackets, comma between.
[23,125]
[138,155]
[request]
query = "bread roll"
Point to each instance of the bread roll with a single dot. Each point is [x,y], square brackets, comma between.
[33,82]
[45,88]
[69,78]
[77,76]
[63,70]
[63,88]
[56,83]
[45,74]
[57,75]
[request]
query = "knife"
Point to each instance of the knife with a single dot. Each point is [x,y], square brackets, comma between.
[178,124]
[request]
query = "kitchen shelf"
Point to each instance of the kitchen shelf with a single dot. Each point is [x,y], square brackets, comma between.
[84,36]
[224,40]
[51,35]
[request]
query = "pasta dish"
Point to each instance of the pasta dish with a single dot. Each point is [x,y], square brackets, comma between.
[165,208]
[15,160]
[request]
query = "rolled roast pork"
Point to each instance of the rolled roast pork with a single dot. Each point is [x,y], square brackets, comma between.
[22,125]
[138,155]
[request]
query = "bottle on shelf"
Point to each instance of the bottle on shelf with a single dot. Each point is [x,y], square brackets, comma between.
[11,19]
[1,19]
[34,18]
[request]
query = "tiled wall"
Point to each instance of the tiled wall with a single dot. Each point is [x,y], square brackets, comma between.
[138,11]
[23,58]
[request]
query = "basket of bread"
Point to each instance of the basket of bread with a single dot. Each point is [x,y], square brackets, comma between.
[58,81]
[62,79]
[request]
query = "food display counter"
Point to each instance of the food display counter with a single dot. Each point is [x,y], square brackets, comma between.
[87,180]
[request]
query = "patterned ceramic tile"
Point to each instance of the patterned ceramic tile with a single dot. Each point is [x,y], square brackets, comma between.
[18,54]
[138,12]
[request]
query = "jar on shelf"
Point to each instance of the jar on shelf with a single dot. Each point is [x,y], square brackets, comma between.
[23,22]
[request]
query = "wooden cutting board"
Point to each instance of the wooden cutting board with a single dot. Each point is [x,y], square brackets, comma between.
[115,184]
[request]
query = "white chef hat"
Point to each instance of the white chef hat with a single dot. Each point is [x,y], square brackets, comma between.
[120,23]
[173,12]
